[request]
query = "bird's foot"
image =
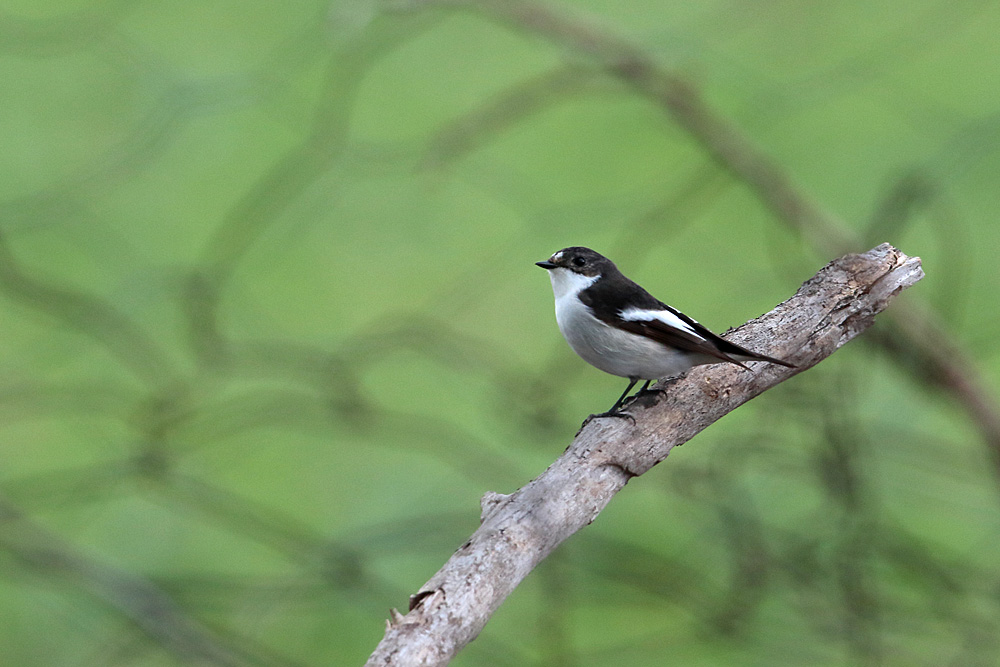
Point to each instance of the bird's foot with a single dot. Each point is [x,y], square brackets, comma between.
[609,413]
[658,391]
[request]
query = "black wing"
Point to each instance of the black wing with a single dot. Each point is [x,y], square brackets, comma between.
[605,299]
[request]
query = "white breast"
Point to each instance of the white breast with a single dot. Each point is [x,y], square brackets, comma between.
[603,346]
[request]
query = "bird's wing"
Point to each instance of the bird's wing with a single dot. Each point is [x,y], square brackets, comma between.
[648,316]
[671,327]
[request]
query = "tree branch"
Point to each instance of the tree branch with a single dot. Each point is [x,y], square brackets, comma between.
[914,335]
[518,531]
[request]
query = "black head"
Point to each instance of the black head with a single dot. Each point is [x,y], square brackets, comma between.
[580,260]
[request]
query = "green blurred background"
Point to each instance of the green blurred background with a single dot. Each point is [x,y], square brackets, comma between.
[270,326]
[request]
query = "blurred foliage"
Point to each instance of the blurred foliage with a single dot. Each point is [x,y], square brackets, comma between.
[270,327]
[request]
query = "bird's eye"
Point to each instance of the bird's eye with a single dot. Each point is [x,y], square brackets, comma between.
[579,261]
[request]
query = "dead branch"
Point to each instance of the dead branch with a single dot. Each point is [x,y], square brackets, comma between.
[519,530]
[915,335]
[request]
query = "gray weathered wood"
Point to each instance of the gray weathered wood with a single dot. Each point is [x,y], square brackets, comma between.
[521,529]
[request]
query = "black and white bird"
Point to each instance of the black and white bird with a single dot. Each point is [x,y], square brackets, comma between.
[617,326]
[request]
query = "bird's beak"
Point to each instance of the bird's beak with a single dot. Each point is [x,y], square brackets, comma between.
[547,265]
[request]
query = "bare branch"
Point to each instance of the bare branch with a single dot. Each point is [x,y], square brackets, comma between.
[915,334]
[518,531]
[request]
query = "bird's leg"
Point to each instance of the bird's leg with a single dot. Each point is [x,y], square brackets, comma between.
[646,390]
[615,411]
[621,399]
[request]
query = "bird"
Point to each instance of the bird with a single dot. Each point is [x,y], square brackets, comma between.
[618,327]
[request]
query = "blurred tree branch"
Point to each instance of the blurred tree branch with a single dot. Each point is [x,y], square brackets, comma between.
[87,314]
[151,609]
[914,334]
[520,530]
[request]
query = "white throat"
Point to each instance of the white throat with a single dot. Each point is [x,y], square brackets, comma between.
[567,284]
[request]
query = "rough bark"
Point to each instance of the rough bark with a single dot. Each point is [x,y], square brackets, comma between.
[914,334]
[521,529]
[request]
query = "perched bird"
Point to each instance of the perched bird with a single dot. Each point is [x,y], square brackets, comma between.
[617,326]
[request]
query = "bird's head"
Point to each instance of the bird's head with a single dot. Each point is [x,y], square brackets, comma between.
[576,268]
[579,260]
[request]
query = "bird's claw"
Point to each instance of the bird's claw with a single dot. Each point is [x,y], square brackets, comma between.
[646,392]
[609,413]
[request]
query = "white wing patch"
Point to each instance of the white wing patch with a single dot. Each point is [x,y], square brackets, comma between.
[665,316]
